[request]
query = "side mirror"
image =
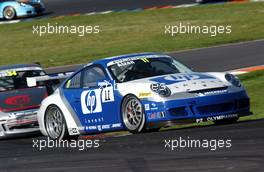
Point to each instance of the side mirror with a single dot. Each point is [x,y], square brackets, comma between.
[106,83]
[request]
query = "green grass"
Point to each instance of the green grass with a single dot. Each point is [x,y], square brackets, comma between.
[254,84]
[128,32]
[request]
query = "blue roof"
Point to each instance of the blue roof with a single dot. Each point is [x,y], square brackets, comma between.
[16,66]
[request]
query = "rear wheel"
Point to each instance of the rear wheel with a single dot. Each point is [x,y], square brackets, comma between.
[9,13]
[55,124]
[226,121]
[133,114]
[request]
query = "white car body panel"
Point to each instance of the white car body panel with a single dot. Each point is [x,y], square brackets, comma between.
[56,99]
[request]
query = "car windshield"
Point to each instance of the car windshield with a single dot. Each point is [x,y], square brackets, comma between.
[17,79]
[129,70]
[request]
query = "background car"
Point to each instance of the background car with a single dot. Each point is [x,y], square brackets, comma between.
[20,99]
[139,92]
[10,9]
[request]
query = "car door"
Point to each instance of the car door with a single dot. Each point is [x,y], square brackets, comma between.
[94,101]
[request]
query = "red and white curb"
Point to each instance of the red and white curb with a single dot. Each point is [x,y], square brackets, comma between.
[126,10]
[246,70]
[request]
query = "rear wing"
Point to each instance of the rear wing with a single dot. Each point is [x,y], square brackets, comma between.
[55,78]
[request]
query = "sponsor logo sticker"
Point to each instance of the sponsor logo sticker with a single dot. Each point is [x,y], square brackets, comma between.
[91,101]
[215,118]
[73,131]
[147,107]
[144,94]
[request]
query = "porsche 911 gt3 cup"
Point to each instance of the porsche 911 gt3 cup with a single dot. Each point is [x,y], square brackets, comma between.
[10,9]
[20,99]
[139,92]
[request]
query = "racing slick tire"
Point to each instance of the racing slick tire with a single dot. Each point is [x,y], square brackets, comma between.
[9,13]
[133,114]
[55,124]
[226,121]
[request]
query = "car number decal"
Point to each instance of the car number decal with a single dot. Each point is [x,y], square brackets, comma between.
[107,94]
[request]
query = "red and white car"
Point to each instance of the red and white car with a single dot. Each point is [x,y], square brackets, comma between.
[19,102]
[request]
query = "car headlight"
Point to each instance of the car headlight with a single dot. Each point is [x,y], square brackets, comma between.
[233,80]
[161,89]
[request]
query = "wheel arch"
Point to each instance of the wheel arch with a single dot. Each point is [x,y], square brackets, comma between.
[124,97]
[14,5]
[64,135]
[45,113]
[69,119]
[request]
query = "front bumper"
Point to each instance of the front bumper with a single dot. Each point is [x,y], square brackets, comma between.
[38,8]
[17,123]
[30,9]
[198,109]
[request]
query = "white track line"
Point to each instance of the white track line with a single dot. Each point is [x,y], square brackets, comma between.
[10,22]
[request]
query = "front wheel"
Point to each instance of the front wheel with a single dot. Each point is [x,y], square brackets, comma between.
[133,114]
[55,124]
[9,13]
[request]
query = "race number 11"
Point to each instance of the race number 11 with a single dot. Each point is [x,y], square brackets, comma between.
[108,94]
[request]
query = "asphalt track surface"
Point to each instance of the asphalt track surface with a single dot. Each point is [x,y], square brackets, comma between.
[214,59]
[223,58]
[62,7]
[147,152]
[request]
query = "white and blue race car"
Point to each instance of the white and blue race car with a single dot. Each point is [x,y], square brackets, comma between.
[10,9]
[139,92]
